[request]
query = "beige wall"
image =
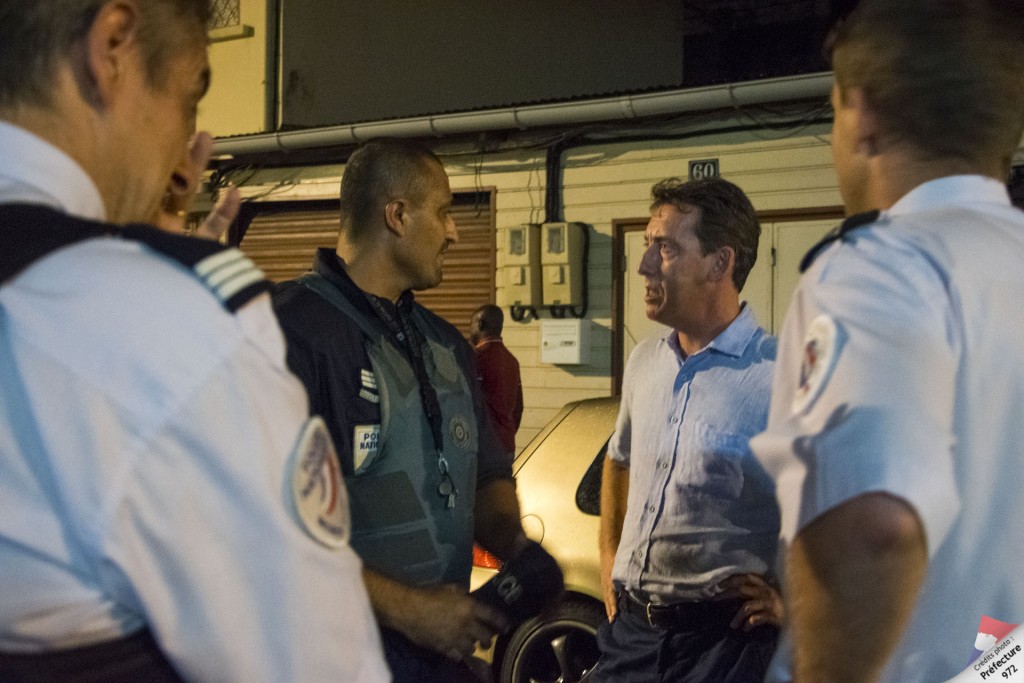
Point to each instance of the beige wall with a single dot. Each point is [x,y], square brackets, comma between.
[602,183]
[236,102]
[607,182]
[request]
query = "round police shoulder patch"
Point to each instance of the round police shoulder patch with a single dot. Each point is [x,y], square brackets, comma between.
[819,357]
[460,432]
[318,493]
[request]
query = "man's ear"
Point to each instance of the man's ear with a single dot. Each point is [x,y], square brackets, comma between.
[395,214]
[864,121]
[110,44]
[723,264]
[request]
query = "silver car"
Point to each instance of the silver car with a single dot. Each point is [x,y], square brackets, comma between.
[558,479]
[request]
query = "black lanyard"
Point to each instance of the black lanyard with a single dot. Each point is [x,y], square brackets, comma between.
[398,321]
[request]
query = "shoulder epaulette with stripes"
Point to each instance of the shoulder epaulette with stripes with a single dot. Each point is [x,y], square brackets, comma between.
[29,232]
[839,232]
[226,271]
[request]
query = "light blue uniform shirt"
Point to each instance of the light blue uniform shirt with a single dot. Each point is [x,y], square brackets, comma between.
[148,440]
[919,396]
[700,506]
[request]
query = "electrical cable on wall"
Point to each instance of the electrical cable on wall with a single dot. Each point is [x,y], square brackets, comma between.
[522,313]
[581,311]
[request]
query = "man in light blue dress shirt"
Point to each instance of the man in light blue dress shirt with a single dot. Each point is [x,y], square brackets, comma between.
[689,522]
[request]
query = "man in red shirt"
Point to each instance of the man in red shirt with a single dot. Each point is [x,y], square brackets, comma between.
[498,370]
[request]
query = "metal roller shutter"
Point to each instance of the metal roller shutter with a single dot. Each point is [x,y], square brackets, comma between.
[281,237]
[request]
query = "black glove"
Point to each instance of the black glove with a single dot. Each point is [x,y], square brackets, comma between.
[526,584]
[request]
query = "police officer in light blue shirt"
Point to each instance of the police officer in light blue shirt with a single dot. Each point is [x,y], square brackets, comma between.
[895,431]
[689,523]
[169,511]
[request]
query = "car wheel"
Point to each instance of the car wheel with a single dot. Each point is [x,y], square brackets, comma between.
[560,647]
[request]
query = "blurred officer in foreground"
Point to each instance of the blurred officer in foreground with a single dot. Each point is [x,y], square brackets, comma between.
[167,509]
[895,432]
[397,385]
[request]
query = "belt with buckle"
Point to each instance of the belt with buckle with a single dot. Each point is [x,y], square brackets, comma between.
[702,613]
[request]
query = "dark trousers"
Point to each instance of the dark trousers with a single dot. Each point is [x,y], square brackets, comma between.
[411,663]
[702,650]
[129,660]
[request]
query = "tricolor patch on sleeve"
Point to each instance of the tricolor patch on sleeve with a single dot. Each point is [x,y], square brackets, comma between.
[318,493]
[820,351]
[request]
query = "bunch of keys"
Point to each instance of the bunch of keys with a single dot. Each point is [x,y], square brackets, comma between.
[446,489]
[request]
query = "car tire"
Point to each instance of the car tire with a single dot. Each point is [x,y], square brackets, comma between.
[559,647]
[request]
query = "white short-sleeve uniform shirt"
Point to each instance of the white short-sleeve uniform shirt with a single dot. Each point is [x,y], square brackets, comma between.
[901,370]
[147,446]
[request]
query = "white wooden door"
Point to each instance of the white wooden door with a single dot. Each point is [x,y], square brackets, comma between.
[757,291]
[792,240]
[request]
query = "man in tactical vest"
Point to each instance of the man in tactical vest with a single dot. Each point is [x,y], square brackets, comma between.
[160,478]
[397,385]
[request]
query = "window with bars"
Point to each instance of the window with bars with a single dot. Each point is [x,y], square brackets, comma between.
[226,13]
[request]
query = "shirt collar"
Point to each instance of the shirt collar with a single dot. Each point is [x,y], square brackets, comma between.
[329,265]
[958,189]
[35,172]
[489,340]
[732,341]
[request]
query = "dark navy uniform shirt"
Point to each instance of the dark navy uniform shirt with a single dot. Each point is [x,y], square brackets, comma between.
[327,351]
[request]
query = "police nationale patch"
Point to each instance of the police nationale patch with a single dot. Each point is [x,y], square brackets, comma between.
[365,444]
[318,493]
[819,358]
[460,432]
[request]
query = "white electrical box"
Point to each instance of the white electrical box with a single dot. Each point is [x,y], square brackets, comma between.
[522,265]
[565,342]
[562,262]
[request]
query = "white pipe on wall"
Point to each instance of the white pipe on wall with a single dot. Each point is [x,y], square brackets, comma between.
[625,107]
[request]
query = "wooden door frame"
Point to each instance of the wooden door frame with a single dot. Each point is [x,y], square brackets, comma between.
[620,227]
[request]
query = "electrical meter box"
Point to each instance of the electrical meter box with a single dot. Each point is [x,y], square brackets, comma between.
[565,342]
[522,265]
[562,262]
